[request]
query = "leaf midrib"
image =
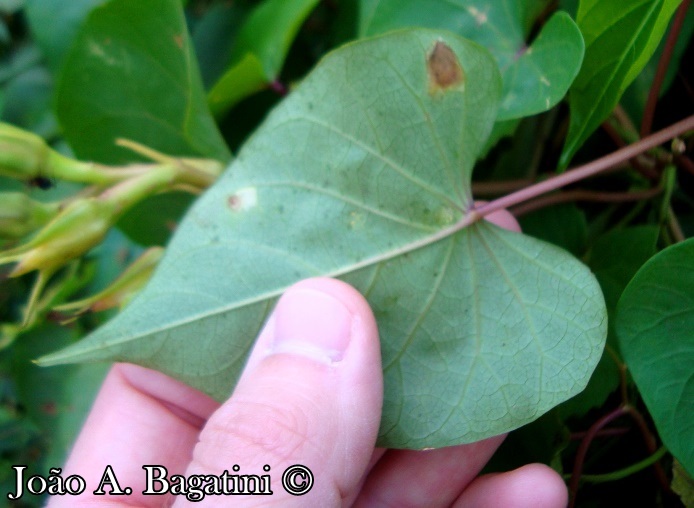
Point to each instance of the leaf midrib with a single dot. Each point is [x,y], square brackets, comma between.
[442,234]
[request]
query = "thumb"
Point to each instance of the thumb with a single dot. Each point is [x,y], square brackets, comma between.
[310,394]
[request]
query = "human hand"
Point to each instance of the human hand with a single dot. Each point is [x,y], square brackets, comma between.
[310,394]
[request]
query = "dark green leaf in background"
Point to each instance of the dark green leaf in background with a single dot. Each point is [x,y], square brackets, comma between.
[563,225]
[620,37]
[615,257]
[535,77]
[213,36]
[655,324]
[364,173]
[152,221]
[27,101]
[57,400]
[10,6]
[55,24]
[635,96]
[259,51]
[120,80]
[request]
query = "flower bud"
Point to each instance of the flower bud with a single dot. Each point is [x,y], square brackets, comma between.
[121,290]
[74,231]
[21,215]
[23,155]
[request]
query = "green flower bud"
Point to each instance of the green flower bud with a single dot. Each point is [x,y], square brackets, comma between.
[23,155]
[21,215]
[73,232]
[83,223]
[124,195]
[121,290]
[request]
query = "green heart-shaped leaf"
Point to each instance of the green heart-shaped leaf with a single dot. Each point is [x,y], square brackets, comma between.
[655,319]
[364,173]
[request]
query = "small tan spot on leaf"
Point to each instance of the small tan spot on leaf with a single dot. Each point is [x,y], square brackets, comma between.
[444,68]
[243,199]
[178,39]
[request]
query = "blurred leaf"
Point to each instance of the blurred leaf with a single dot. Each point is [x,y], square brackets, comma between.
[55,23]
[620,37]
[535,78]
[213,37]
[570,6]
[563,225]
[244,78]
[259,50]
[153,221]
[119,82]
[539,441]
[10,6]
[655,319]
[56,399]
[27,102]
[21,60]
[603,382]
[636,95]
[615,258]
[5,37]
[482,329]
[111,258]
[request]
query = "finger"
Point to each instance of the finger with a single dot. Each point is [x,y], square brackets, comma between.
[137,416]
[311,395]
[426,478]
[532,486]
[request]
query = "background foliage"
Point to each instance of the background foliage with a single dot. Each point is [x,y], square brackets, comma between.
[196,79]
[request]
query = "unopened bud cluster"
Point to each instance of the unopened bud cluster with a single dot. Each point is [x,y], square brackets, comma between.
[66,230]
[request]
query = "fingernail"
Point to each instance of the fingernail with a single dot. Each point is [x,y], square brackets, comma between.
[312,323]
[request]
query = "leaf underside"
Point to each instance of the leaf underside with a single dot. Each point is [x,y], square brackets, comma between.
[363,173]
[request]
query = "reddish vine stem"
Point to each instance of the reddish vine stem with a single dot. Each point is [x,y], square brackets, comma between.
[596,429]
[663,63]
[583,195]
[582,172]
[625,121]
[651,445]
[613,431]
[487,189]
[613,134]
[582,451]
[647,172]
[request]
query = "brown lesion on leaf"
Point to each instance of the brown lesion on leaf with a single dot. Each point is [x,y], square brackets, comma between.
[444,68]
[234,203]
